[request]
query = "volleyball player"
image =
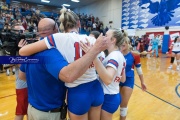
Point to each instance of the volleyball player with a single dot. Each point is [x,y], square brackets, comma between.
[111,72]
[85,95]
[126,88]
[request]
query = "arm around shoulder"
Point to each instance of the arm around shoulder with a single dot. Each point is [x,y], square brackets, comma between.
[77,68]
[74,70]
[33,48]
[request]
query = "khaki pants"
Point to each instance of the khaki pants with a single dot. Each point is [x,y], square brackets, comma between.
[34,114]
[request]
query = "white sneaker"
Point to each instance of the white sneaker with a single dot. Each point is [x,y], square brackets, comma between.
[177,68]
[7,72]
[170,67]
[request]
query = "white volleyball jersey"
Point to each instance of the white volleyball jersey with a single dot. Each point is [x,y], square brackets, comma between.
[68,45]
[117,61]
[176,46]
[101,56]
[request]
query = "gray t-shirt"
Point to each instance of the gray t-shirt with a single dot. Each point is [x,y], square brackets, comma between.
[20,84]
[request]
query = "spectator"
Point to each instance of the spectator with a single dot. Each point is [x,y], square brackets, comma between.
[21,86]
[23,8]
[136,42]
[34,19]
[37,11]
[155,43]
[146,42]
[18,15]
[11,16]
[33,9]
[94,26]
[106,29]
[52,16]
[1,23]
[24,23]
[27,7]
[28,18]
[141,42]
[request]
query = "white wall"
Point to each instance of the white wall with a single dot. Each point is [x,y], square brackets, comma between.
[106,10]
[160,29]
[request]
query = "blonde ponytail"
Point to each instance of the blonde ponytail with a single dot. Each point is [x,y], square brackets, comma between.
[125,34]
[127,41]
[61,18]
[68,19]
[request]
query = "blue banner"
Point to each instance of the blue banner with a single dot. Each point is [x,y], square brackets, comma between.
[150,13]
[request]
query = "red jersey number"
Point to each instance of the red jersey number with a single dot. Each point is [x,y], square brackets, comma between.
[77,51]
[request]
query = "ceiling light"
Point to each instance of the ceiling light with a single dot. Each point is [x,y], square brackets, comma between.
[16,1]
[46,1]
[75,0]
[67,5]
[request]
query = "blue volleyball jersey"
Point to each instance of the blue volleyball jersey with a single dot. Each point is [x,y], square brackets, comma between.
[132,60]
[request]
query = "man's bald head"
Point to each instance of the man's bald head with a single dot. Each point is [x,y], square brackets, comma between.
[46,27]
[45,23]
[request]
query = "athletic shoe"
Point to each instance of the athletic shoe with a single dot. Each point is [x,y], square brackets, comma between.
[177,68]
[170,67]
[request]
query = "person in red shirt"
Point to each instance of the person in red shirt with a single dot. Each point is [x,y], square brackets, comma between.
[146,42]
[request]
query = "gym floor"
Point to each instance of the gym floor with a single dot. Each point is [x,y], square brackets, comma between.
[160,102]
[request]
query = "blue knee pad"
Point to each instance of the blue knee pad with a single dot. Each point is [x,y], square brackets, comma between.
[81,98]
[128,83]
[111,102]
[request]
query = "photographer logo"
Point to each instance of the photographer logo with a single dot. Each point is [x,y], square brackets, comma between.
[21,60]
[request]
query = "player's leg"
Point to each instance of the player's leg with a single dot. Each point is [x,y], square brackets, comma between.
[172,60]
[79,101]
[126,94]
[78,104]
[126,90]
[110,105]
[157,51]
[97,96]
[19,117]
[7,72]
[106,115]
[13,70]
[178,61]
[73,116]
[1,68]
[94,113]
[153,48]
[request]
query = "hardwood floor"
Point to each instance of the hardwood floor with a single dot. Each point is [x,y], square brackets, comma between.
[160,102]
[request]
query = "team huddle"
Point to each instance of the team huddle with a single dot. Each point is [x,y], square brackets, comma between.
[75,70]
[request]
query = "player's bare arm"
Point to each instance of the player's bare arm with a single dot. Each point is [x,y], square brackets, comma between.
[123,79]
[33,48]
[106,74]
